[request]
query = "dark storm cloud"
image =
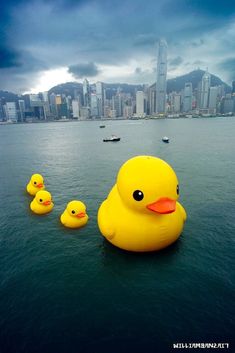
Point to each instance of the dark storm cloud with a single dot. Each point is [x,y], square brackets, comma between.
[211,8]
[9,58]
[84,70]
[176,61]
[55,33]
[229,66]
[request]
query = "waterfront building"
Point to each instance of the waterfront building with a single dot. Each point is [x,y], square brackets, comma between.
[113,114]
[151,101]
[233,88]
[100,99]
[213,97]
[204,92]
[117,104]
[21,104]
[140,103]
[127,111]
[46,105]
[52,102]
[37,107]
[161,77]
[84,113]
[75,109]
[94,105]
[188,93]
[227,104]
[175,102]
[11,112]
[86,93]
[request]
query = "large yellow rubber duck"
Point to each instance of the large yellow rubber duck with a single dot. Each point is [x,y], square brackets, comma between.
[74,216]
[141,212]
[35,184]
[42,202]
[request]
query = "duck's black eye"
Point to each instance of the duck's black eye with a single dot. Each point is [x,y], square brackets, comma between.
[138,195]
[40,200]
[177,189]
[35,182]
[73,212]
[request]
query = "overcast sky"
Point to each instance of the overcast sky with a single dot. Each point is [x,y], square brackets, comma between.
[46,42]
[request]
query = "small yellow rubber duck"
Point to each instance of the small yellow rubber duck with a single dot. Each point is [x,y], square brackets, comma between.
[35,184]
[141,212]
[42,202]
[74,216]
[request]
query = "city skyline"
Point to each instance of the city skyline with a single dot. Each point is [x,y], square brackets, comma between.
[111,42]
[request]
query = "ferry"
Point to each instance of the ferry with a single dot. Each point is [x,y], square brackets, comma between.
[113,138]
[165,139]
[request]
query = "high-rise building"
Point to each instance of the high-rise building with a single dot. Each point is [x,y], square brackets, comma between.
[233,88]
[21,104]
[205,88]
[175,102]
[11,111]
[161,77]
[86,93]
[117,104]
[100,99]
[213,99]
[140,103]
[188,93]
[151,99]
[94,105]
[75,109]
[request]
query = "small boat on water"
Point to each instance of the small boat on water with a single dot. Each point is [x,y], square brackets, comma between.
[113,138]
[102,126]
[165,139]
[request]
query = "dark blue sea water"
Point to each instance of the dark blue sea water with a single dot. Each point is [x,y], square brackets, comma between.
[65,291]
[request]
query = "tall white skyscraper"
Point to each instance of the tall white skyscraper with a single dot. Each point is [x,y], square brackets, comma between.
[161,77]
[205,89]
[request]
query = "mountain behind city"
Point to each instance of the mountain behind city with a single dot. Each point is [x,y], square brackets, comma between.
[173,85]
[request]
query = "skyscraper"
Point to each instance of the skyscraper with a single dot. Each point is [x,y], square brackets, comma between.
[233,88]
[100,98]
[86,93]
[161,77]
[188,93]
[205,89]
[140,103]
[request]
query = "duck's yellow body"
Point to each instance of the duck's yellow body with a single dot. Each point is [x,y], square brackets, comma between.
[74,216]
[42,203]
[35,184]
[141,213]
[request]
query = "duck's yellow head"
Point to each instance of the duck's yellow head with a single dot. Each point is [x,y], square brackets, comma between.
[43,197]
[76,209]
[37,181]
[148,184]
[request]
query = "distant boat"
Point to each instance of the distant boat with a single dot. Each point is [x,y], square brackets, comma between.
[165,139]
[113,138]
[102,126]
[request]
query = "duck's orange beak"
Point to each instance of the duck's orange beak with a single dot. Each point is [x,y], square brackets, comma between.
[163,205]
[81,215]
[40,185]
[47,203]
